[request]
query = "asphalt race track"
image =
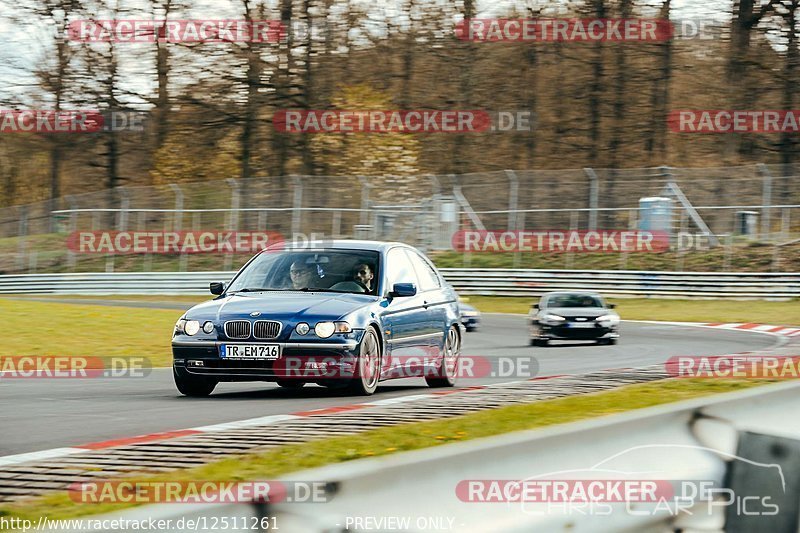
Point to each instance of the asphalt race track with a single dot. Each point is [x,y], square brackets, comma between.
[50,413]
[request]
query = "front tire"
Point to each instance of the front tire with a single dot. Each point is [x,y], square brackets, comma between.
[445,376]
[368,366]
[193,386]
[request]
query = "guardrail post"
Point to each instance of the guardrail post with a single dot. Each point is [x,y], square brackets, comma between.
[594,194]
[766,201]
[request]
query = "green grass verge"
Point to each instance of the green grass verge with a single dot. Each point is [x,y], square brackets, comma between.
[384,441]
[43,328]
[779,313]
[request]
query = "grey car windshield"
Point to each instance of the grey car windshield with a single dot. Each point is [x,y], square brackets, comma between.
[353,271]
[574,300]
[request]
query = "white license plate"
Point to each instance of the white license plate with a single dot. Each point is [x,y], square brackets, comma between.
[250,351]
[582,325]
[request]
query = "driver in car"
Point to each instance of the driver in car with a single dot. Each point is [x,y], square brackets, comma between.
[301,275]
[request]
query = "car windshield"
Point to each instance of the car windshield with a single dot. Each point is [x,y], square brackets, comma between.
[574,300]
[353,271]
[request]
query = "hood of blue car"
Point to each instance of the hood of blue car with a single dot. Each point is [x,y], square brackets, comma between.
[284,306]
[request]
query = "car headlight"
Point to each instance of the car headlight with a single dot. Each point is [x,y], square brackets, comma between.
[550,318]
[191,327]
[180,325]
[469,313]
[611,320]
[302,328]
[208,327]
[326,329]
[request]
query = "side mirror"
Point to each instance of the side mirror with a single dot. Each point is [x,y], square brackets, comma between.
[612,306]
[401,290]
[535,306]
[216,287]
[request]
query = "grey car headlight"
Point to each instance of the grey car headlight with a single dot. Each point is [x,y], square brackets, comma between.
[208,327]
[302,328]
[608,320]
[180,325]
[550,318]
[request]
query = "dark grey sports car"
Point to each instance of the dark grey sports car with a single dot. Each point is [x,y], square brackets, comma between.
[573,316]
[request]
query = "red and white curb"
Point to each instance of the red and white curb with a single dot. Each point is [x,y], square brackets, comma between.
[784,332]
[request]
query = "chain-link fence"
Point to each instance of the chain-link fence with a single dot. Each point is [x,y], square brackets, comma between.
[758,202]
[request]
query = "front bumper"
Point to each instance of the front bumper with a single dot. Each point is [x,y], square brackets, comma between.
[306,361]
[569,332]
[470,322]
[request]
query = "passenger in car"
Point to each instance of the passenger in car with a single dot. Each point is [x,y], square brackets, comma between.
[364,274]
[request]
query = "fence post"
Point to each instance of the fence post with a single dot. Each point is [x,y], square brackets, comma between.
[594,193]
[125,204]
[726,264]
[683,228]
[177,216]
[766,201]
[297,204]
[336,224]
[573,226]
[23,242]
[513,197]
[73,227]
[233,219]
[785,223]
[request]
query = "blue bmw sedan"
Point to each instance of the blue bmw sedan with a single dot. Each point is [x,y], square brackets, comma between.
[342,314]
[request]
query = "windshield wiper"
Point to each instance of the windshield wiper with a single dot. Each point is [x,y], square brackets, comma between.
[256,289]
[319,289]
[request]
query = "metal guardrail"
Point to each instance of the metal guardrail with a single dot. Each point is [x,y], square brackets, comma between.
[494,282]
[740,442]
